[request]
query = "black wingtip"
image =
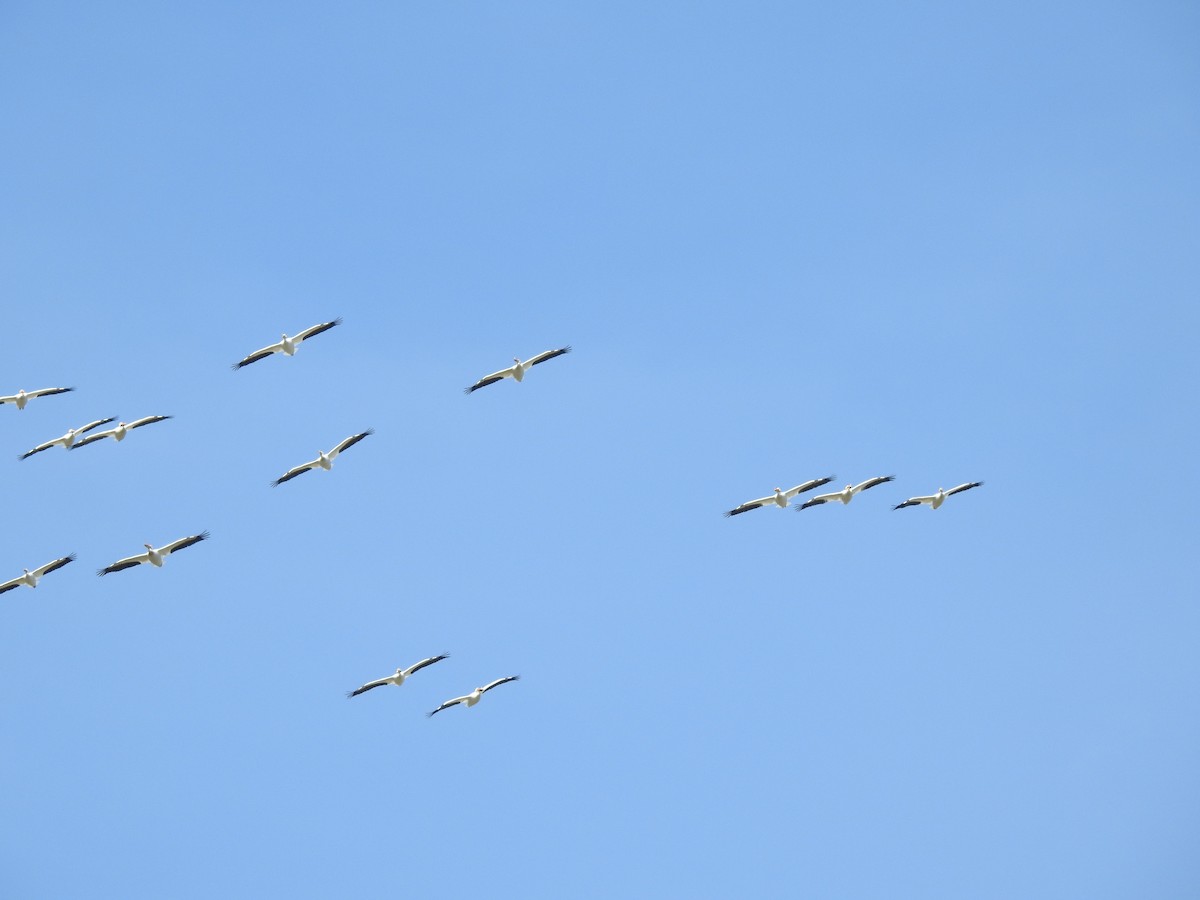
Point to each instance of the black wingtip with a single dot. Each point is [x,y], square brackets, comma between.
[102,572]
[204,535]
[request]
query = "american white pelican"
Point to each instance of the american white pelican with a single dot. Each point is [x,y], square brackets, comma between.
[31,579]
[847,493]
[118,433]
[287,345]
[472,698]
[517,370]
[20,398]
[68,439]
[781,497]
[936,500]
[398,678]
[153,556]
[324,460]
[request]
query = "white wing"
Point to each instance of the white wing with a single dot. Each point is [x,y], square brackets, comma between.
[497,682]
[183,542]
[450,703]
[315,330]
[963,487]
[259,354]
[299,470]
[148,420]
[46,392]
[871,482]
[127,563]
[807,486]
[349,442]
[51,566]
[9,585]
[46,446]
[423,663]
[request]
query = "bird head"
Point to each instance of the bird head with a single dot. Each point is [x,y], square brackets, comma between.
[517,359]
[779,490]
[148,546]
[26,571]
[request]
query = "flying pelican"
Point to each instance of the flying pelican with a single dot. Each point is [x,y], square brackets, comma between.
[472,698]
[118,433]
[847,493]
[68,439]
[20,398]
[781,497]
[939,498]
[324,460]
[517,370]
[398,678]
[153,556]
[31,579]
[287,345]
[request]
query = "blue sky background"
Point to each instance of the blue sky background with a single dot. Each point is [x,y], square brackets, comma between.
[786,240]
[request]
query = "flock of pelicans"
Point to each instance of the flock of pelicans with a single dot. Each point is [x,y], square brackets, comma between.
[75,438]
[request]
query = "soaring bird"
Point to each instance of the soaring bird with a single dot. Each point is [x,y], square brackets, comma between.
[472,698]
[31,579]
[847,493]
[518,369]
[324,460]
[398,678]
[68,439]
[287,345]
[118,433]
[155,557]
[781,497]
[20,398]
[936,500]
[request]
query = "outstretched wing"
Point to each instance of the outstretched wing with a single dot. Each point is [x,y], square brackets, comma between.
[257,355]
[423,663]
[148,420]
[368,686]
[349,442]
[819,499]
[315,330]
[913,501]
[39,448]
[807,486]
[51,566]
[183,543]
[92,438]
[292,473]
[498,682]
[549,354]
[127,563]
[749,505]
[489,379]
[871,482]
[963,487]
[448,704]
[10,585]
[46,392]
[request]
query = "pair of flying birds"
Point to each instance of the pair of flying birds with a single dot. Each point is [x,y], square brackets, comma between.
[156,556]
[398,679]
[288,346]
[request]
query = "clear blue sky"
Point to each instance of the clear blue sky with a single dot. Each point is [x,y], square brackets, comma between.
[786,240]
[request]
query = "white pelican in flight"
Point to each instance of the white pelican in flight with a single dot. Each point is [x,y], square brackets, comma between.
[781,497]
[287,345]
[31,579]
[324,460]
[847,493]
[153,556]
[398,678]
[20,398]
[68,439]
[936,500]
[472,698]
[118,433]
[518,369]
